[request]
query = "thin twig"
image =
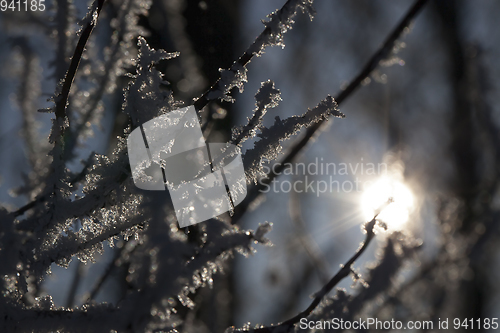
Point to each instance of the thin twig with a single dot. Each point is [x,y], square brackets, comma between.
[62,99]
[64,20]
[370,66]
[341,274]
[256,48]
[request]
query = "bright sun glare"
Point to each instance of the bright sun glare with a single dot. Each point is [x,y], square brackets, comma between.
[396,214]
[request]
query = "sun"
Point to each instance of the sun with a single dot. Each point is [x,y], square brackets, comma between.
[375,198]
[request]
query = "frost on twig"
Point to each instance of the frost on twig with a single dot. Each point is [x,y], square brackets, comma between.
[102,74]
[57,184]
[278,24]
[151,305]
[397,250]
[64,18]
[267,97]
[144,99]
[229,79]
[104,181]
[269,146]
[381,279]
[282,20]
[209,260]
[345,271]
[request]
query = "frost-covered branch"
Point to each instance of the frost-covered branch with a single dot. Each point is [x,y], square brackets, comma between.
[144,100]
[173,278]
[279,23]
[380,280]
[121,214]
[382,53]
[57,186]
[61,99]
[125,31]
[267,97]
[344,272]
[269,146]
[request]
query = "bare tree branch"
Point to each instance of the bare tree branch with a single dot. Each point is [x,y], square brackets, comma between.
[269,36]
[341,274]
[62,99]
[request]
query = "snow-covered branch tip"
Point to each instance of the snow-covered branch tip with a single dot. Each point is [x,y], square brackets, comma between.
[269,147]
[266,97]
[144,98]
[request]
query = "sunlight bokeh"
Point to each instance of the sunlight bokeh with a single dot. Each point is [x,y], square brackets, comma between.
[375,198]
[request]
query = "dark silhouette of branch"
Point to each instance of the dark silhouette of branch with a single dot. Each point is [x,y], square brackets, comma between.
[287,12]
[382,53]
[62,99]
[171,276]
[57,186]
[341,274]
